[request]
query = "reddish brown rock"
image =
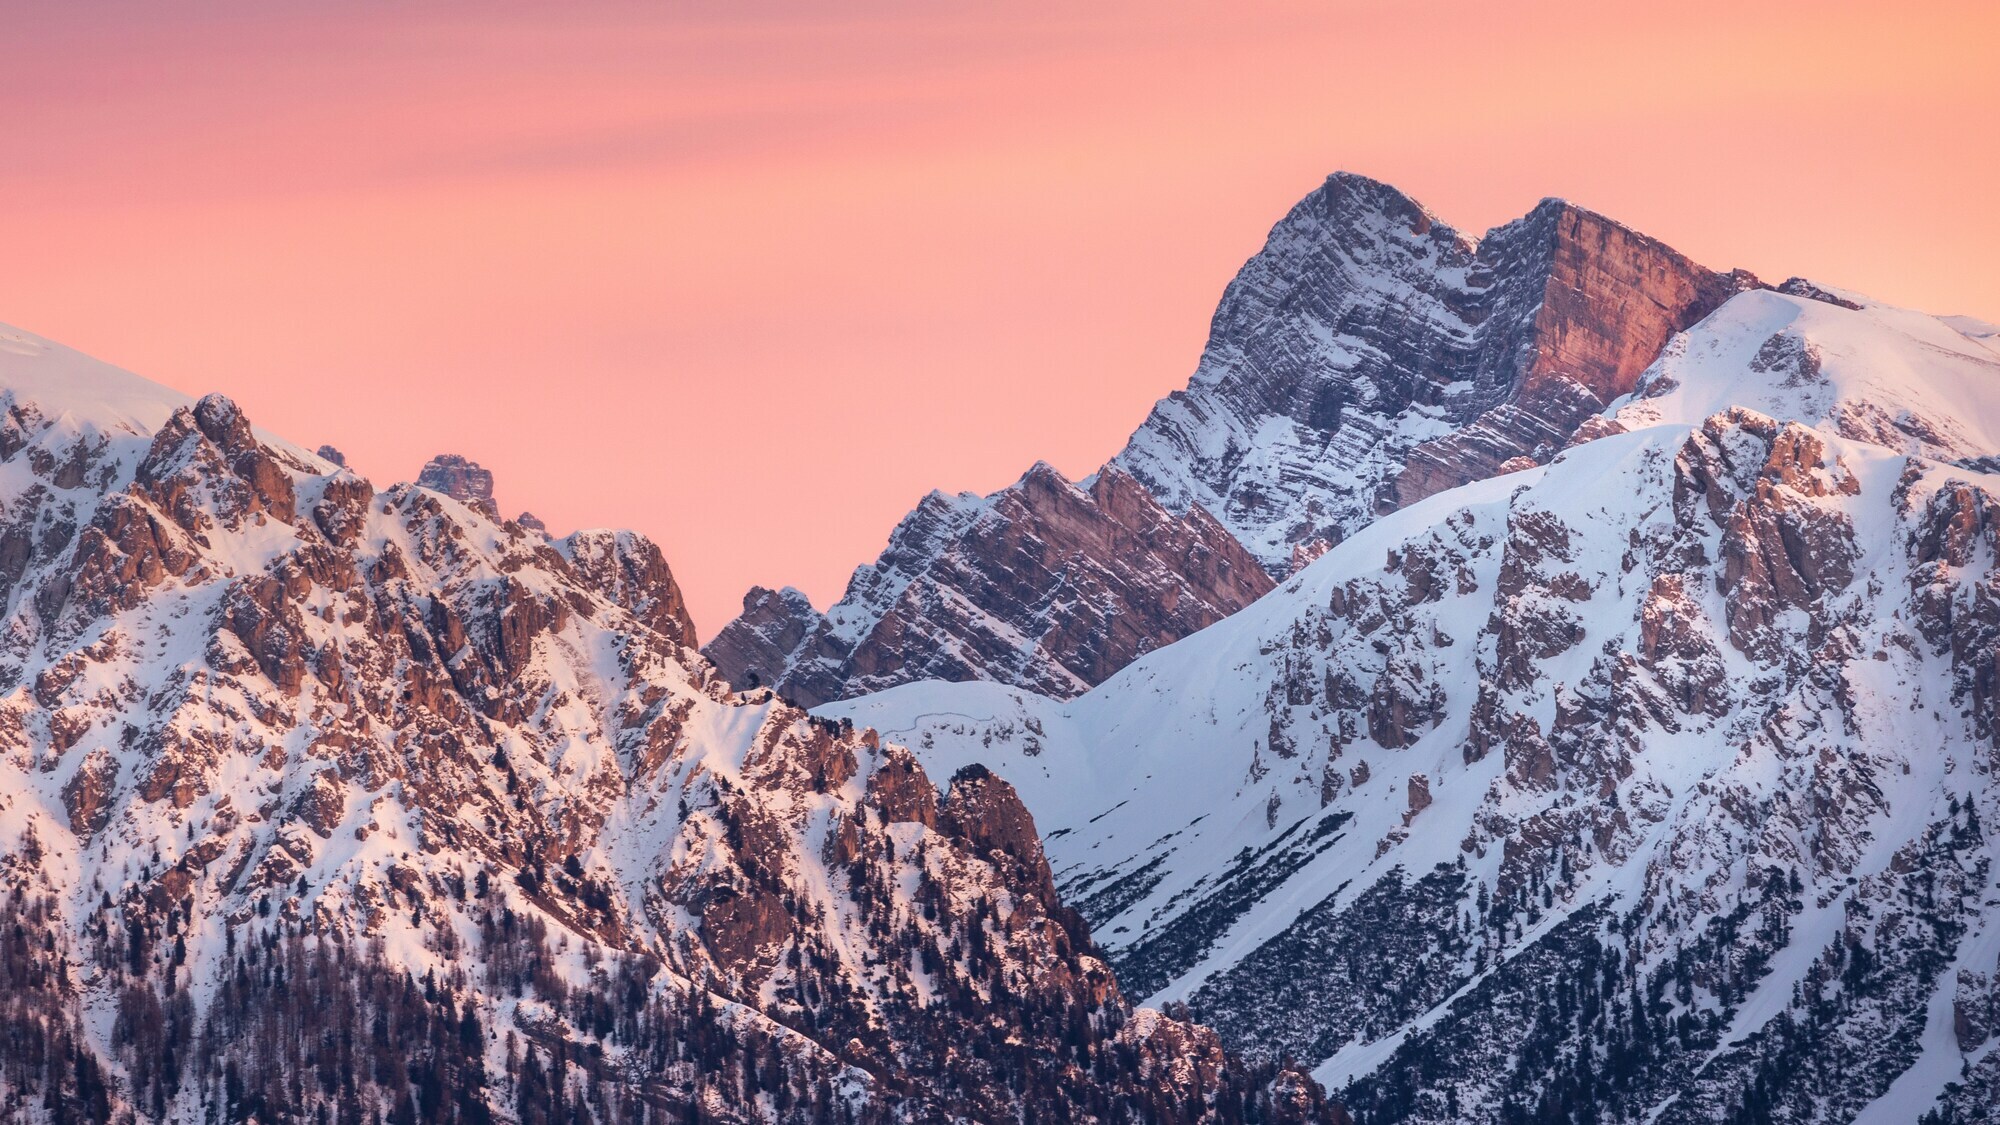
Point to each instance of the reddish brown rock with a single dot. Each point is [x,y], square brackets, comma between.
[462,479]
[629,569]
[986,812]
[745,930]
[1403,705]
[1674,644]
[342,507]
[1781,550]
[125,552]
[1090,578]
[269,626]
[902,791]
[1609,299]
[322,805]
[88,794]
[1419,794]
[224,424]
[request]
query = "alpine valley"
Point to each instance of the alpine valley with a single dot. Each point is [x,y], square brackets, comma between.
[1524,678]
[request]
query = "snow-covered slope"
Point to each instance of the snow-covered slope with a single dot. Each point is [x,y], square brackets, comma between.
[1654,779]
[1872,373]
[319,803]
[62,381]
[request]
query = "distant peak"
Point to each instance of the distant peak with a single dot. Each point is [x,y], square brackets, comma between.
[1041,472]
[1812,291]
[1351,194]
[449,462]
[1562,218]
[462,479]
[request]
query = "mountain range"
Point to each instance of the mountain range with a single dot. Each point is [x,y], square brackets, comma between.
[324,803]
[1524,678]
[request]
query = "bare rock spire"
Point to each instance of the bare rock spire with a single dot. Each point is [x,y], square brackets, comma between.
[462,479]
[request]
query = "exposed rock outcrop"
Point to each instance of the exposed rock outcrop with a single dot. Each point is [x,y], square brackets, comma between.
[1368,357]
[1045,584]
[629,569]
[463,480]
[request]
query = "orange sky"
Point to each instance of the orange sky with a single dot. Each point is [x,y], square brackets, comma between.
[753,277]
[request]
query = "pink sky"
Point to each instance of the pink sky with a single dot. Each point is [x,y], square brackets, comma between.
[752,278]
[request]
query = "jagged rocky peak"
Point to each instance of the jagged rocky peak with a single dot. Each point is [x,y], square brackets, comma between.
[1606,299]
[1609,297]
[464,480]
[1370,355]
[1047,584]
[767,638]
[630,569]
[319,799]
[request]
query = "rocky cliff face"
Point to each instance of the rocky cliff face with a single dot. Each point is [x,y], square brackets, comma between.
[324,803]
[1370,356]
[1045,584]
[1653,782]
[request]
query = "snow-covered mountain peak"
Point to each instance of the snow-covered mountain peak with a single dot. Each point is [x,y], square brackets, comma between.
[289,767]
[1370,355]
[98,420]
[1859,369]
[59,381]
[1651,776]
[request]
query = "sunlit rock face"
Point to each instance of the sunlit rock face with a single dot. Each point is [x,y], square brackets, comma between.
[1371,355]
[463,480]
[1046,584]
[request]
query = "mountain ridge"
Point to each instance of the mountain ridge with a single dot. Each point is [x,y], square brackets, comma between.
[1367,356]
[330,803]
[1046,582]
